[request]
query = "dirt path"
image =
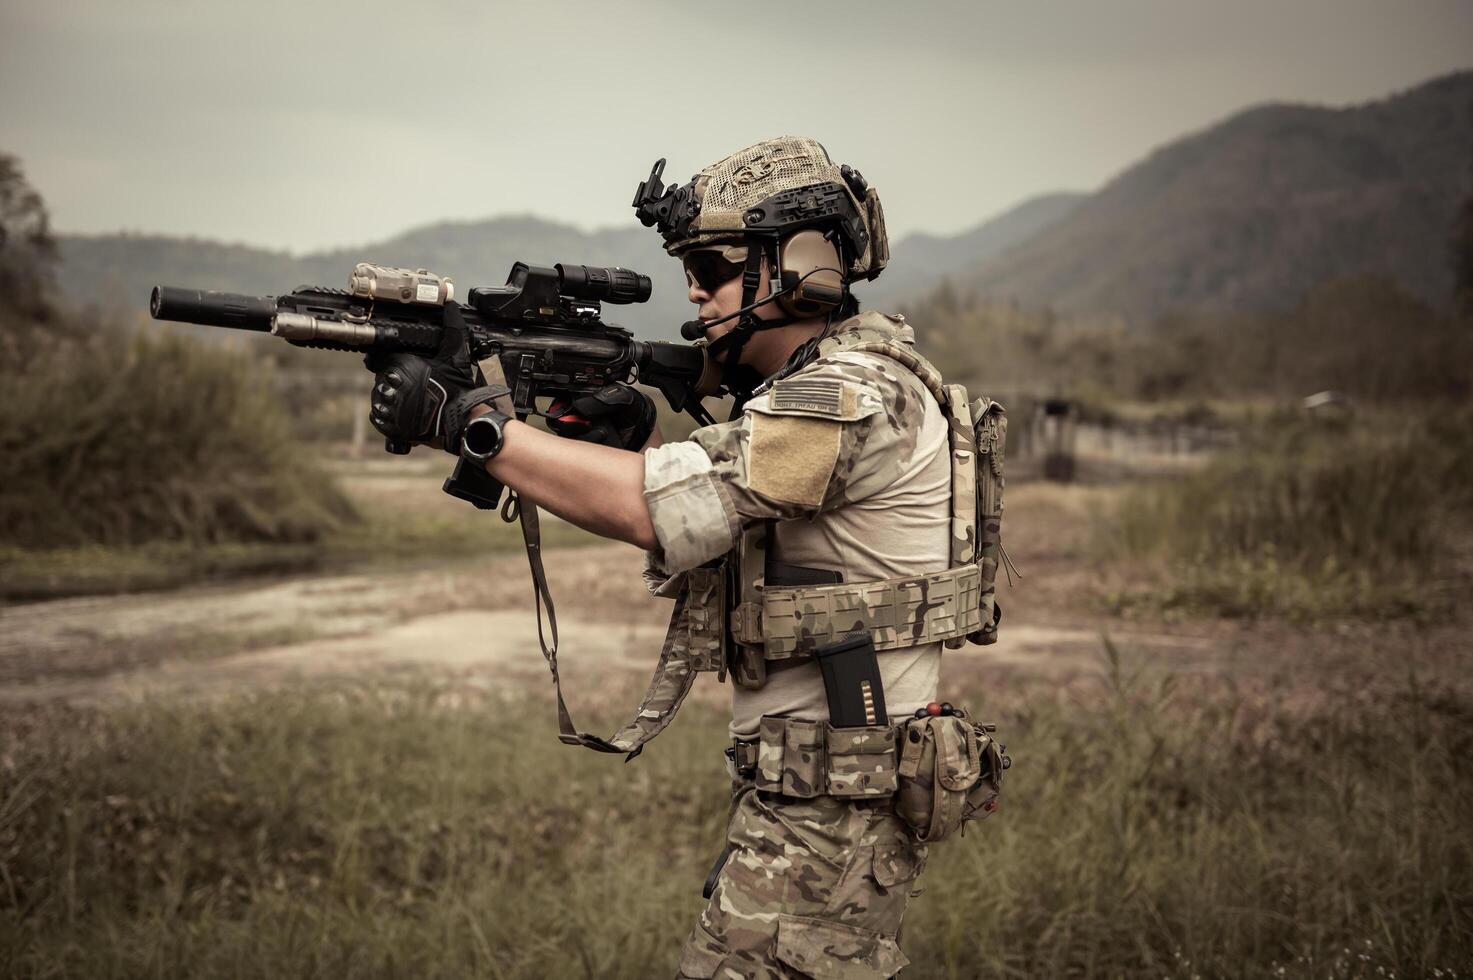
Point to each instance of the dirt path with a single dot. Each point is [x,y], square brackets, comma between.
[213,640]
[474,620]
[469,615]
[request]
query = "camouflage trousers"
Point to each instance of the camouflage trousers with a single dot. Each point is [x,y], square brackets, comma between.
[813,888]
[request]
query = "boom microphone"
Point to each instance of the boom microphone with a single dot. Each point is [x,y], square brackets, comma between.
[696,329]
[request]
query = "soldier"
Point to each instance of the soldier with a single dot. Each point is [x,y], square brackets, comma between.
[833,486]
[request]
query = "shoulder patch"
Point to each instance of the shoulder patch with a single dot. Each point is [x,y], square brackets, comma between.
[790,457]
[819,396]
[823,396]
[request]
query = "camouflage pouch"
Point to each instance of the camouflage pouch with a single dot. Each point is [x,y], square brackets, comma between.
[803,759]
[990,428]
[861,761]
[706,617]
[950,772]
[790,757]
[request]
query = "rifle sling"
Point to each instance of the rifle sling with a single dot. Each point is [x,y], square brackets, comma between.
[568,733]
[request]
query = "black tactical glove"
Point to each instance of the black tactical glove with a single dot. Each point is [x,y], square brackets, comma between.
[616,415]
[421,400]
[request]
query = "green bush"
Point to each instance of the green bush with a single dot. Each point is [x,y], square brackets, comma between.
[121,440]
[1312,517]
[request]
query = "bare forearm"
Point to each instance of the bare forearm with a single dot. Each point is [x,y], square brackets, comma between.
[598,488]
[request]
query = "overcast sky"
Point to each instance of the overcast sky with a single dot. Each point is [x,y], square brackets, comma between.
[305,125]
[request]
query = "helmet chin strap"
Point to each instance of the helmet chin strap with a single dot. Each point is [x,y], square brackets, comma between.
[741,378]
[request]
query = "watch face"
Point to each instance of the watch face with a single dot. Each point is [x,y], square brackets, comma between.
[482,437]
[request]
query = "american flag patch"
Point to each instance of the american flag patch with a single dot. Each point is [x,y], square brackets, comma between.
[820,396]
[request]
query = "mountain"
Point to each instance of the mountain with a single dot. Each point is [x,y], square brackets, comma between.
[919,261]
[1245,216]
[1250,214]
[119,270]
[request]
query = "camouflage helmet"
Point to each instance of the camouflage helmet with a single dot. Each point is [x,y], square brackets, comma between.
[775,187]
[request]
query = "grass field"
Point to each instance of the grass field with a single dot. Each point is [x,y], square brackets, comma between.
[1300,827]
[403,519]
[1310,519]
[1285,795]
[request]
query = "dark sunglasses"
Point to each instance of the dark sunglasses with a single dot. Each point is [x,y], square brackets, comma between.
[709,268]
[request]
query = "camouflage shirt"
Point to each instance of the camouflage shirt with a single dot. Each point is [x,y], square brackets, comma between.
[850,456]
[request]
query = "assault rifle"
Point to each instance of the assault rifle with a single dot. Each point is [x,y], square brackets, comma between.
[542,332]
[544,326]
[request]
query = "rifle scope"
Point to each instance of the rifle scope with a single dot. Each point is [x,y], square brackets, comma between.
[603,284]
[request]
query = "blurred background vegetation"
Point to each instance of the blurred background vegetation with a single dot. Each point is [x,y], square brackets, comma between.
[117,441]
[1311,519]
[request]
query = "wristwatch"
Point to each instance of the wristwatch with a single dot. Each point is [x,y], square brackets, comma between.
[483,437]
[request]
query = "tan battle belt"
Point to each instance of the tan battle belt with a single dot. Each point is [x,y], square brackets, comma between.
[898,612]
[802,758]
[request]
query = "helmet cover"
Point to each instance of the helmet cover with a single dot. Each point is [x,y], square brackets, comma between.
[775,187]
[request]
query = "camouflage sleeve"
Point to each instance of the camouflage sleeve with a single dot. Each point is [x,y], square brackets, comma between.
[825,437]
[693,521]
[661,582]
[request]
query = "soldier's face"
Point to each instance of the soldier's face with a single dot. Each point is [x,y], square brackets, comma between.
[724,300]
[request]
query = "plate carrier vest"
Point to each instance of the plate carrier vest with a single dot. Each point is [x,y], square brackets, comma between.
[725,618]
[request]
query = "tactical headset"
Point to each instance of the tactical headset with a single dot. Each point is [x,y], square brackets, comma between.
[809,264]
[809,283]
[809,280]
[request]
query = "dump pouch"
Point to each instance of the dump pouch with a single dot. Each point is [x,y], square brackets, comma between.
[950,772]
[982,797]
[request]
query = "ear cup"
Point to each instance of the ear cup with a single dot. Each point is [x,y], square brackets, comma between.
[810,262]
